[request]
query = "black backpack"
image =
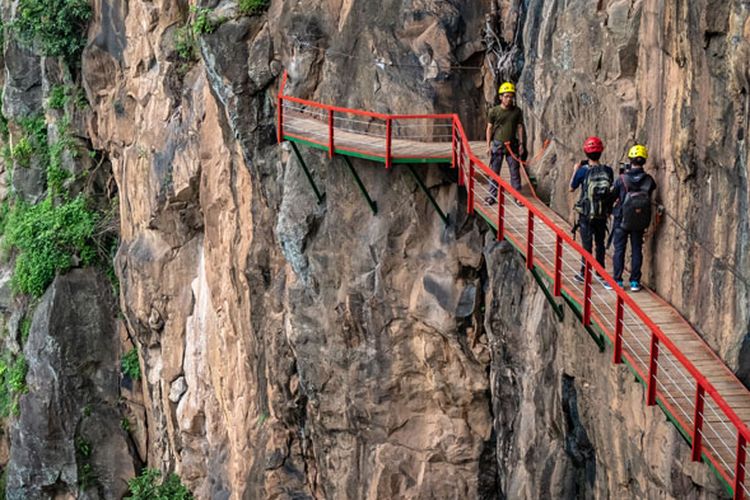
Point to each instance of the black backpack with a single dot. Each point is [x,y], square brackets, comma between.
[636,208]
[597,191]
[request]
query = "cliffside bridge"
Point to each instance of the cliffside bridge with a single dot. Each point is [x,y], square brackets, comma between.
[698,393]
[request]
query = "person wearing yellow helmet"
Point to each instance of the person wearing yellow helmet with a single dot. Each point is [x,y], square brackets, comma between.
[505,125]
[632,215]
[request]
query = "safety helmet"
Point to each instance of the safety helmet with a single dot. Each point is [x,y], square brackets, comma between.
[507,88]
[593,145]
[638,151]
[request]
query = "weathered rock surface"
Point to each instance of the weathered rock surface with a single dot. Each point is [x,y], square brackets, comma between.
[67,441]
[300,350]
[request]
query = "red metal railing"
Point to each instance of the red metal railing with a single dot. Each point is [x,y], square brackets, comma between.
[671,379]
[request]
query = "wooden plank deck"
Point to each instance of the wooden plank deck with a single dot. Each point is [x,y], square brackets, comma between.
[675,386]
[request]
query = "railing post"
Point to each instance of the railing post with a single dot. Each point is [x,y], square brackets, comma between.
[330,133]
[500,213]
[388,143]
[530,242]
[652,365]
[470,189]
[695,454]
[587,294]
[460,159]
[619,320]
[453,144]
[557,287]
[280,130]
[739,467]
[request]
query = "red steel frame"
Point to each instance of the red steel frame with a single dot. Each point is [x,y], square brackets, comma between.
[461,153]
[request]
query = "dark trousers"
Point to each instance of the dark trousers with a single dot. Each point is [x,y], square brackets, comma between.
[593,231]
[496,163]
[620,239]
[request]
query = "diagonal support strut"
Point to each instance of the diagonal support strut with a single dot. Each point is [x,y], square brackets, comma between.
[321,197]
[429,195]
[373,205]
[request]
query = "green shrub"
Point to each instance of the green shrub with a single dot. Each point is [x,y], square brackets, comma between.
[83,447]
[46,238]
[251,6]
[130,365]
[54,27]
[145,487]
[22,152]
[12,383]
[185,44]
[58,97]
[33,143]
[202,24]
[25,329]
[56,174]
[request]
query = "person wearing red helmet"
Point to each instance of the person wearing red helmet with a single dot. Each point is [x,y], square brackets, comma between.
[595,201]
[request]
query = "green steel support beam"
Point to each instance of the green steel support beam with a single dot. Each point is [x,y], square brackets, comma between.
[321,197]
[559,310]
[373,205]
[429,195]
[590,330]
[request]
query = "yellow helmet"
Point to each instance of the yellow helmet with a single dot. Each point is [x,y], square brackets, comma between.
[638,151]
[507,88]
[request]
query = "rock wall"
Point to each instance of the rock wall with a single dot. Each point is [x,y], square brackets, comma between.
[296,349]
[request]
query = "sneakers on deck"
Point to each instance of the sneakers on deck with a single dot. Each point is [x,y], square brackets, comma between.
[635,286]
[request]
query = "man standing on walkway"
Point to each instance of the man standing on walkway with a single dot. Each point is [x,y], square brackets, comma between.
[595,203]
[632,216]
[505,125]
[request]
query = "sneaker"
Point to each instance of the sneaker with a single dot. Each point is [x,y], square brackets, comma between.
[579,277]
[635,286]
[604,282]
[490,200]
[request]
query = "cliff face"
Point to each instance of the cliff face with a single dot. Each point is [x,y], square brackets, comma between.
[296,349]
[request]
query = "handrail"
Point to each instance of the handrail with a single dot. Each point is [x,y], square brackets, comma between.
[618,290]
[461,150]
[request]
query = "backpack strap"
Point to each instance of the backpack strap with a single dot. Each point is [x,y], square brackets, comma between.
[624,182]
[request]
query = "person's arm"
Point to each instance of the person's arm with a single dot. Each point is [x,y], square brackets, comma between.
[521,135]
[575,180]
[488,134]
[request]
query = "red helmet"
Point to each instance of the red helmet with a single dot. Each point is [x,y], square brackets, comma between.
[593,145]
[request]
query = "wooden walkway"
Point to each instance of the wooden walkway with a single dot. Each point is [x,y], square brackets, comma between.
[675,388]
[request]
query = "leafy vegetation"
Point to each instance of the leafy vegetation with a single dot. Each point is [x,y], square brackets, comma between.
[252,6]
[87,476]
[185,44]
[130,365]
[54,27]
[58,97]
[12,383]
[25,329]
[202,24]
[56,174]
[145,487]
[33,142]
[48,238]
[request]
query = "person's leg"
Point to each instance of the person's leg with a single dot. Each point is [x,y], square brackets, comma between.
[620,240]
[496,163]
[636,250]
[586,239]
[599,232]
[515,172]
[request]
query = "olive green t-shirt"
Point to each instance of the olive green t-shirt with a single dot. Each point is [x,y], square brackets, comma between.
[505,122]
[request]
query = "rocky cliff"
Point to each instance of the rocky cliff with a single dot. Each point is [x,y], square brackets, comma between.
[291,349]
